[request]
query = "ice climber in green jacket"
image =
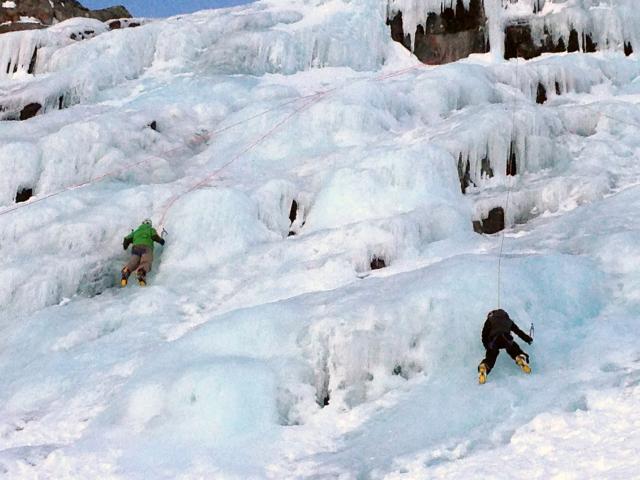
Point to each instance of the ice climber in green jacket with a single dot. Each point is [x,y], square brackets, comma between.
[142,252]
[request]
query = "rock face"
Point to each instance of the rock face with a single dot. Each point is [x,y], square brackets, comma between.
[459,28]
[33,14]
[30,111]
[519,42]
[453,34]
[494,223]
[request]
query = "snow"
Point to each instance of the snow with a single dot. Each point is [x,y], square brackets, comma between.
[8,4]
[553,445]
[255,354]
[29,20]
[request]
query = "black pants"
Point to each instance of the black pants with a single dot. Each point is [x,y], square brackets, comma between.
[503,341]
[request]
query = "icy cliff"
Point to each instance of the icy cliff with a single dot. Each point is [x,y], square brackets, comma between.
[316,310]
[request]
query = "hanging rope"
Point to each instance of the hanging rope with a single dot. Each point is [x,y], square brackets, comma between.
[506,206]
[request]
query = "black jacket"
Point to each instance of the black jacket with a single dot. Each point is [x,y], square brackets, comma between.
[498,323]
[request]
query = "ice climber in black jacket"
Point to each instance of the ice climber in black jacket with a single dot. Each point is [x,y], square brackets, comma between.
[496,334]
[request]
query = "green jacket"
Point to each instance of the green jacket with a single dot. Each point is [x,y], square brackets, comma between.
[143,235]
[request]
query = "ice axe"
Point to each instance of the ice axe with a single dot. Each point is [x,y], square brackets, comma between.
[531,331]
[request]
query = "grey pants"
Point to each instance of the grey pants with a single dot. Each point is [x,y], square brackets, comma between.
[141,260]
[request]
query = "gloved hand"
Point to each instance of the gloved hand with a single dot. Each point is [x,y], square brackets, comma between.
[529,340]
[124,245]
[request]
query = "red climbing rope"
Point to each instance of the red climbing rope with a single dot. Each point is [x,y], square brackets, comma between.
[251,146]
[201,138]
[314,98]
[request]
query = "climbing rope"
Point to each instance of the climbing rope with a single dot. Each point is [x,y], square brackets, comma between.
[312,100]
[199,138]
[250,147]
[506,206]
[203,138]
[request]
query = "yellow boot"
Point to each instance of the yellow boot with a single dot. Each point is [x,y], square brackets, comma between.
[142,277]
[521,361]
[482,373]
[125,276]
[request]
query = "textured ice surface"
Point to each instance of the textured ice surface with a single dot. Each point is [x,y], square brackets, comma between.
[254,354]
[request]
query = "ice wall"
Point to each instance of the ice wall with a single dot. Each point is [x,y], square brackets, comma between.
[256,39]
[254,353]
[20,51]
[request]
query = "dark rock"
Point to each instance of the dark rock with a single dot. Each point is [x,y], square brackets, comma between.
[628,48]
[485,168]
[19,26]
[48,12]
[24,194]
[397,33]
[464,173]
[517,36]
[122,23]
[558,90]
[589,45]
[541,96]
[573,45]
[519,43]
[561,46]
[153,126]
[377,263]
[447,37]
[494,223]
[32,63]
[61,102]
[110,13]
[512,164]
[537,6]
[30,111]
[293,212]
